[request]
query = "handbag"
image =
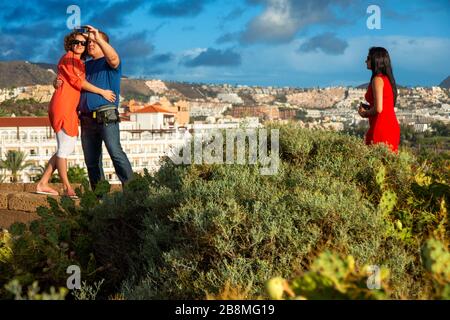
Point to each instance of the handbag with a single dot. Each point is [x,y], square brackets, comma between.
[106,114]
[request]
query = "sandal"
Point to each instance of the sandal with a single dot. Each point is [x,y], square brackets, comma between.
[71,195]
[74,197]
[48,193]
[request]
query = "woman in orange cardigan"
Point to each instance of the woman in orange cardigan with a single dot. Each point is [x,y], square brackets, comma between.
[62,110]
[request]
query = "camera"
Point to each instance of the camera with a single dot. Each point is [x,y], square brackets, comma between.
[82,29]
[365,106]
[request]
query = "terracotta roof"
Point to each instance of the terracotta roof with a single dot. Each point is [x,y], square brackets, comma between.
[153,109]
[24,122]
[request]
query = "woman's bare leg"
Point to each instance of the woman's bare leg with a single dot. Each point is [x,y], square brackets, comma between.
[61,165]
[42,185]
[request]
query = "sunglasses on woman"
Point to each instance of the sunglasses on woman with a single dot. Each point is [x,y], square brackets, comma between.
[76,42]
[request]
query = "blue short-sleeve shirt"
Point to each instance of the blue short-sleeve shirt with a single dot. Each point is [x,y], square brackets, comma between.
[100,74]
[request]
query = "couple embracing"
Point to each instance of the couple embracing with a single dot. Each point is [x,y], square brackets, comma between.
[87,92]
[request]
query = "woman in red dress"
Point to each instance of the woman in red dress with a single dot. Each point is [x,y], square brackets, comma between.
[62,110]
[382,96]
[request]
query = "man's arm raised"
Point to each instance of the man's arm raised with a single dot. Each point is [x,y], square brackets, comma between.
[110,54]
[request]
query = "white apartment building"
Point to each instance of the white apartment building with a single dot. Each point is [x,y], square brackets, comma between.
[153,117]
[145,138]
[35,137]
[313,113]
[230,98]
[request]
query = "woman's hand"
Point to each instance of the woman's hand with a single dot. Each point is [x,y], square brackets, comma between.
[57,83]
[109,95]
[362,112]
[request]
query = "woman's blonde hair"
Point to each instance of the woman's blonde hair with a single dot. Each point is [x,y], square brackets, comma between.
[68,43]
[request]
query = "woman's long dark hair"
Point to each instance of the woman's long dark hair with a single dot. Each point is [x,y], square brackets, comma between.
[380,62]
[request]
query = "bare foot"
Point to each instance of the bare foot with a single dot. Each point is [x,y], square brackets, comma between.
[70,193]
[45,189]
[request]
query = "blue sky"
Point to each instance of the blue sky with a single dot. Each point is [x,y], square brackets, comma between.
[301,43]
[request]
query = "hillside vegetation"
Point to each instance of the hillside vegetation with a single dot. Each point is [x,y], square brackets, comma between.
[21,73]
[203,231]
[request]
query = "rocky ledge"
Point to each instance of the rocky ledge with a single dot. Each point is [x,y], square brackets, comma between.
[19,202]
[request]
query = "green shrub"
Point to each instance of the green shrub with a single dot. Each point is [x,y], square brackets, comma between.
[189,231]
[436,259]
[331,277]
[42,251]
[33,292]
[116,228]
[210,225]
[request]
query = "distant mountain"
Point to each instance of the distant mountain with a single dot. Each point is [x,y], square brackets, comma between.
[24,73]
[363,86]
[134,87]
[189,90]
[445,83]
[47,66]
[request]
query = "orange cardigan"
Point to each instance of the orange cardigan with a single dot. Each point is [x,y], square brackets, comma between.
[62,110]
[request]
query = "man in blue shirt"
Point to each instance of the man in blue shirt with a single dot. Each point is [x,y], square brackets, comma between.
[104,70]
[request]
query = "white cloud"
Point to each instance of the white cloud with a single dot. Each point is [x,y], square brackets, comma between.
[275,23]
[282,19]
[406,52]
[415,60]
[192,53]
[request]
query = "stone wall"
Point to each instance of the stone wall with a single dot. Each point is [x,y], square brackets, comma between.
[19,202]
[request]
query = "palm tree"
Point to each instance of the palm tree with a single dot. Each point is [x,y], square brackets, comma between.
[39,170]
[15,162]
[76,174]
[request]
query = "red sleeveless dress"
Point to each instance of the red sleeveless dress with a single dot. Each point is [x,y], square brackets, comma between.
[384,126]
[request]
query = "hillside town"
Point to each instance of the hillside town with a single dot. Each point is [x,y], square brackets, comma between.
[331,107]
[158,116]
